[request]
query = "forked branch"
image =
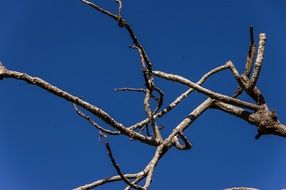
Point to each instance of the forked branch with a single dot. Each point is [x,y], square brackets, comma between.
[255,113]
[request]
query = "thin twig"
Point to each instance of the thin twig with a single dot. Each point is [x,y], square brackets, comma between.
[119,8]
[117,167]
[93,5]
[80,113]
[149,83]
[159,99]
[108,180]
[236,75]
[249,62]
[130,89]
[124,24]
[146,64]
[251,54]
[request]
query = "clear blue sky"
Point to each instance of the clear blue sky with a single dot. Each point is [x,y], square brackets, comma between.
[45,145]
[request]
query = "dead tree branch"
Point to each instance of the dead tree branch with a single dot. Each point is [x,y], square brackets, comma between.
[80,113]
[117,167]
[207,92]
[259,60]
[108,180]
[180,98]
[249,61]
[5,73]
[255,112]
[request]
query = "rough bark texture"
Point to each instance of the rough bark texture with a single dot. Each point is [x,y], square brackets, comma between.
[257,114]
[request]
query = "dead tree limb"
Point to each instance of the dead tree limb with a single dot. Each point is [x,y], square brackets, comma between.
[255,112]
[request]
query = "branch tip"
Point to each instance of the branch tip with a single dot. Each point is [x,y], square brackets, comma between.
[251,35]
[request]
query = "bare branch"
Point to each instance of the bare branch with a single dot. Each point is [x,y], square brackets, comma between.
[137,180]
[209,93]
[167,143]
[103,11]
[130,89]
[159,99]
[160,151]
[241,188]
[189,119]
[249,62]
[236,111]
[149,83]
[186,146]
[259,59]
[257,114]
[250,55]
[119,8]
[108,180]
[146,64]
[264,119]
[123,24]
[80,113]
[254,92]
[154,126]
[146,67]
[5,73]
[180,98]
[117,167]
[236,75]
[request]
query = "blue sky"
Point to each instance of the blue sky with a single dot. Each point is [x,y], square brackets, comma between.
[45,145]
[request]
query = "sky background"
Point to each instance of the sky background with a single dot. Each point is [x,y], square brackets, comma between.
[45,145]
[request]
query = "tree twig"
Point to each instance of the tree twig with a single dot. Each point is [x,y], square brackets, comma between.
[159,99]
[88,118]
[117,167]
[108,180]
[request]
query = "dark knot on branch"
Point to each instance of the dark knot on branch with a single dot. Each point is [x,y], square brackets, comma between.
[266,122]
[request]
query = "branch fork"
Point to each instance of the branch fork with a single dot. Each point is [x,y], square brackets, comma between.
[256,113]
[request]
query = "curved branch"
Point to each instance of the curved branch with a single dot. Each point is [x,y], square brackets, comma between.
[180,98]
[187,144]
[249,61]
[108,180]
[116,166]
[124,24]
